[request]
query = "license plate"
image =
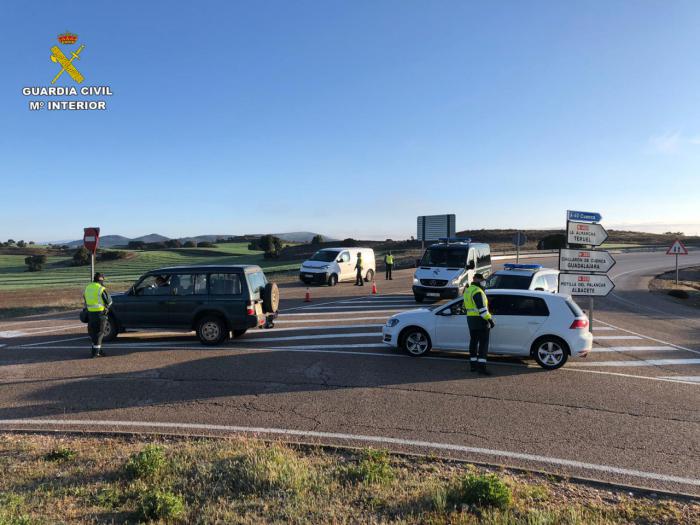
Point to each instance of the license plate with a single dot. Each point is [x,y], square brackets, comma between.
[309,275]
[433,294]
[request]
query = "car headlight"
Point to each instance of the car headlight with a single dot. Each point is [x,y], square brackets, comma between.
[392,322]
[456,281]
[416,282]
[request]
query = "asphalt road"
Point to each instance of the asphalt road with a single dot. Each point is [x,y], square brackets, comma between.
[628,413]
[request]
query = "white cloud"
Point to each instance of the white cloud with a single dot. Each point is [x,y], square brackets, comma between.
[672,142]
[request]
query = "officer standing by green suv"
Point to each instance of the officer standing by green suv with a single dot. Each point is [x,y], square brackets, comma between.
[480,324]
[389,263]
[97,303]
[359,281]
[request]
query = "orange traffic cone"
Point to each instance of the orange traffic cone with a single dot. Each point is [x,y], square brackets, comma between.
[374,287]
[307,297]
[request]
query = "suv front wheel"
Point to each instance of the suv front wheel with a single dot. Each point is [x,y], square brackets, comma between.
[211,330]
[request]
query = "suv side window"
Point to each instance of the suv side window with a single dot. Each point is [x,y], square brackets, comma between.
[153,285]
[518,305]
[182,284]
[539,283]
[552,281]
[225,284]
[256,282]
[345,257]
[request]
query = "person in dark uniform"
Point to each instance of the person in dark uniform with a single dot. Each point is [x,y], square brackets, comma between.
[359,281]
[480,324]
[97,302]
[389,263]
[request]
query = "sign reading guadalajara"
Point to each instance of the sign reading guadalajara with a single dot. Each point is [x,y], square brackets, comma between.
[597,261]
[585,233]
[585,284]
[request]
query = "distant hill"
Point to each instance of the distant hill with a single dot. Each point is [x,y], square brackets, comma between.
[110,241]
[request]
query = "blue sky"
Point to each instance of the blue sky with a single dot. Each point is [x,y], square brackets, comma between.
[351,118]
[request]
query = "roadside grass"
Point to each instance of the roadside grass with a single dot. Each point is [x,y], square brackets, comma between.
[134,479]
[59,273]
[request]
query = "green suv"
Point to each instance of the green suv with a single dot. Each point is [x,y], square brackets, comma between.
[215,301]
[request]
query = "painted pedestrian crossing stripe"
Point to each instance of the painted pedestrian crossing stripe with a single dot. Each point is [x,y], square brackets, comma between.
[641,362]
[604,349]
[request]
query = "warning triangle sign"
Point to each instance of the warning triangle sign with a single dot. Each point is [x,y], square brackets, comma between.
[677,248]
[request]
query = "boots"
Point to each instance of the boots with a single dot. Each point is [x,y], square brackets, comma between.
[481,369]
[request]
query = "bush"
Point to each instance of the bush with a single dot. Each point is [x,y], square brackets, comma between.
[111,255]
[190,244]
[349,242]
[136,245]
[35,263]
[173,243]
[374,467]
[317,239]
[81,257]
[161,505]
[60,454]
[483,490]
[552,242]
[206,244]
[147,463]
[21,244]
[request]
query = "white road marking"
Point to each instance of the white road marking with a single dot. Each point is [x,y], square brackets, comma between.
[2,346]
[39,329]
[688,379]
[617,337]
[316,336]
[619,374]
[321,347]
[277,321]
[54,341]
[641,362]
[608,469]
[9,334]
[333,327]
[601,328]
[598,350]
[283,315]
[651,338]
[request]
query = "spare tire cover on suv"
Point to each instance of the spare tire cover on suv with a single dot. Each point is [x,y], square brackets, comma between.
[271,298]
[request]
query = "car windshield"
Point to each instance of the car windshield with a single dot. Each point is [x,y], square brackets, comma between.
[513,282]
[445,257]
[325,255]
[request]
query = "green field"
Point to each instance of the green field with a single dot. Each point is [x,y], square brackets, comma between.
[59,273]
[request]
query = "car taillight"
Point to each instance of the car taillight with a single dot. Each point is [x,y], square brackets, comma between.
[251,309]
[579,323]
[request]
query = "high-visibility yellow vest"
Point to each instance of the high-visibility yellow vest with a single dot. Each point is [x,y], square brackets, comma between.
[470,304]
[93,297]
[390,259]
[359,263]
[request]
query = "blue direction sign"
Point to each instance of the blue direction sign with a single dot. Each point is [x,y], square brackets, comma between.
[586,216]
[519,239]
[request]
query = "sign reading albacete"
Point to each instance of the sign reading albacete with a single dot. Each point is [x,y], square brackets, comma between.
[67,68]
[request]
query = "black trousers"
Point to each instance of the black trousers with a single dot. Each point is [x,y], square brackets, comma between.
[358,278]
[479,333]
[389,267]
[97,322]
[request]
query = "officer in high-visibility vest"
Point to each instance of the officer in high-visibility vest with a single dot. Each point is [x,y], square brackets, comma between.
[389,263]
[480,324]
[359,281]
[97,302]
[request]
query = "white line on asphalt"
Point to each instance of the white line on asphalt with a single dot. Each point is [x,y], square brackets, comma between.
[277,321]
[9,334]
[318,304]
[334,327]
[619,374]
[690,379]
[1,346]
[608,469]
[619,337]
[598,350]
[400,306]
[641,362]
[601,328]
[341,313]
[303,337]
[31,331]
[55,341]
[650,338]
[38,331]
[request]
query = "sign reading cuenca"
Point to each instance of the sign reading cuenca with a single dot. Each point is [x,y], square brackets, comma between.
[585,216]
[91,238]
[585,233]
[596,261]
[592,285]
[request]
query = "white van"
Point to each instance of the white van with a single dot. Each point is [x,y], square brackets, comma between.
[332,265]
[448,267]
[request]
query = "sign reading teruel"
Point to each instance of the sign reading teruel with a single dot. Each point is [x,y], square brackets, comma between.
[593,285]
[597,261]
[585,233]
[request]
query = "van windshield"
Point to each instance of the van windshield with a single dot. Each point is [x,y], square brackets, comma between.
[325,255]
[513,282]
[445,257]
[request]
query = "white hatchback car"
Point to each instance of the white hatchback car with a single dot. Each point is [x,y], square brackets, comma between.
[549,327]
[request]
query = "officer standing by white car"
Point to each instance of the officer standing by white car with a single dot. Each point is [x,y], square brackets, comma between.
[480,324]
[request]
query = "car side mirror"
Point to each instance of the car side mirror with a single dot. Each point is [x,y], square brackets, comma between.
[417,263]
[471,265]
[446,312]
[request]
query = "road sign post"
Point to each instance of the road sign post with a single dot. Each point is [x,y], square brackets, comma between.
[677,248]
[91,240]
[519,239]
